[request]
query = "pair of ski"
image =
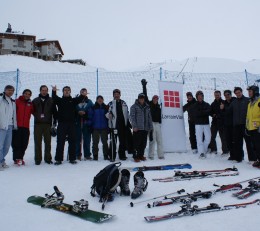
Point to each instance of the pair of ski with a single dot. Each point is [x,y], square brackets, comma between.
[188,210]
[252,188]
[79,209]
[181,176]
[196,195]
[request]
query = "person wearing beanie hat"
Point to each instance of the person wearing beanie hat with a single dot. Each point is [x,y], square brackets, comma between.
[200,114]
[100,127]
[141,120]
[155,135]
[253,121]
[192,134]
[7,123]
[118,116]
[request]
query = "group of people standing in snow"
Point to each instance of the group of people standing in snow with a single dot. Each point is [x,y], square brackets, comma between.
[235,119]
[80,121]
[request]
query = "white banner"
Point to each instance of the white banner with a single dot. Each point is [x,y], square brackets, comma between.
[173,130]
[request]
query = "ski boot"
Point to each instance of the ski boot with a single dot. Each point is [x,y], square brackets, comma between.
[140,183]
[203,156]
[80,206]
[124,183]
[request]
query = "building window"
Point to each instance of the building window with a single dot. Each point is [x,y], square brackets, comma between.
[0,40]
[20,43]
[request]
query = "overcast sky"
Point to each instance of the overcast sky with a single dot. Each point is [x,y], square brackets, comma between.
[121,34]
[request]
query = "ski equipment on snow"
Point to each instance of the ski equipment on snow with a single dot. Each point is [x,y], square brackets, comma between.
[252,188]
[141,185]
[106,182]
[159,167]
[79,209]
[194,196]
[180,176]
[139,202]
[188,210]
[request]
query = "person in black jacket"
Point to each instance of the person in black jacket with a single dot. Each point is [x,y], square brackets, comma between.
[239,110]
[200,112]
[187,107]
[217,125]
[228,121]
[66,124]
[155,135]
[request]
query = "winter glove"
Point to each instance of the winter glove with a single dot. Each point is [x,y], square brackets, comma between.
[151,136]
[1,94]
[144,82]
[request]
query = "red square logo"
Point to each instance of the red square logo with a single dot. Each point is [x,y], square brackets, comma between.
[171,99]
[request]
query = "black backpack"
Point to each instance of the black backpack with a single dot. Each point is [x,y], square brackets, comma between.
[106,181]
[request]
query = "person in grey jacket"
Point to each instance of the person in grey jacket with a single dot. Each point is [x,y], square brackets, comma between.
[141,120]
[7,123]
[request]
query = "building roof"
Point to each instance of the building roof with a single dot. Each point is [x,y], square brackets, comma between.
[46,41]
[16,34]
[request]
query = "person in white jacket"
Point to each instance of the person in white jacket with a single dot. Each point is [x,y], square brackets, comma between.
[7,123]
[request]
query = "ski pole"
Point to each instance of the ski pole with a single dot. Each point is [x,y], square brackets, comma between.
[179,192]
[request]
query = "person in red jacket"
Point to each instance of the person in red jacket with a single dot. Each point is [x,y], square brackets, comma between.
[24,110]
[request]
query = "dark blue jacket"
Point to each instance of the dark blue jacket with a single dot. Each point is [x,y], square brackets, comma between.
[99,120]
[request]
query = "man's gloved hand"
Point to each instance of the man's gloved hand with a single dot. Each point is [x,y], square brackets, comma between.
[144,82]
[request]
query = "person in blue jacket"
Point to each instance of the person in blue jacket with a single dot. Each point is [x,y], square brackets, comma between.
[100,127]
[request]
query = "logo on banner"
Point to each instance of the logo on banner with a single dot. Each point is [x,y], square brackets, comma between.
[171,99]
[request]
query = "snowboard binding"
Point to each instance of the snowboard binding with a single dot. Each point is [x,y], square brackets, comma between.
[52,200]
[80,206]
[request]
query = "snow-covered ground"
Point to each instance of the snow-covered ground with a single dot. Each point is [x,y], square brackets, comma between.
[18,183]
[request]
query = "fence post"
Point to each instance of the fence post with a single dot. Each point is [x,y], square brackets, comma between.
[160,73]
[246,77]
[17,82]
[97,81]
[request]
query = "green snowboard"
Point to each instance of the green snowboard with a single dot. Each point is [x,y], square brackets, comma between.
[88,215]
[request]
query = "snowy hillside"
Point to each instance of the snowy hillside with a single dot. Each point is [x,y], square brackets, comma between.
[195,65]
[29,64]
[205,65]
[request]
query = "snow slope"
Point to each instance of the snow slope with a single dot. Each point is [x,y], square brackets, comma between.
[205,65]
[29,64]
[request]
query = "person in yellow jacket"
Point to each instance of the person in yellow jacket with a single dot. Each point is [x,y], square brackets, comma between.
[253,121]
